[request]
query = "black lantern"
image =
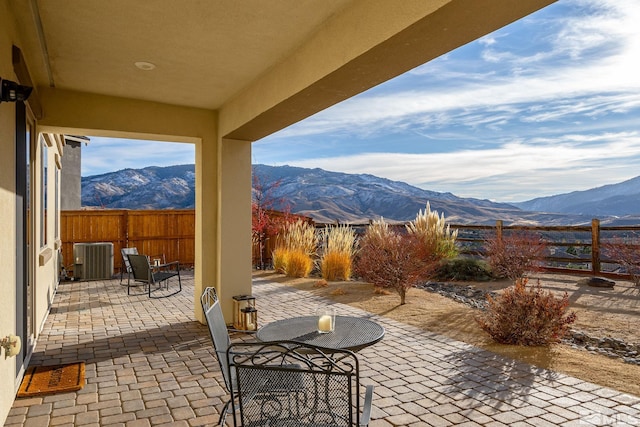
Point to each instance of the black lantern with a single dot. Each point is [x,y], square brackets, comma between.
[240,302]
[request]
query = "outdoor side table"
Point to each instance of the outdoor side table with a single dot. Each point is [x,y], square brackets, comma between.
[351,333]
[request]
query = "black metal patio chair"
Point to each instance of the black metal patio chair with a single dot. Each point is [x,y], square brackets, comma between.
[220,337]
[219,331]
[154,277]
[291,384]
[126,265]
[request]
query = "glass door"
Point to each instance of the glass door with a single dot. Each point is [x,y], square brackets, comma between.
[25,133]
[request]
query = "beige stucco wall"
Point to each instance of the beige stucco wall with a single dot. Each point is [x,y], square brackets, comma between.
[7,215]
[45,256]
[88,114]
[45,268]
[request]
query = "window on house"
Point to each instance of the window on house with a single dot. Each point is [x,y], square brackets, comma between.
[57,203]
[44,160]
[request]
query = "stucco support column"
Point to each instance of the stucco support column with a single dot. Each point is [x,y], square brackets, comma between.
[207,255]
[235,222]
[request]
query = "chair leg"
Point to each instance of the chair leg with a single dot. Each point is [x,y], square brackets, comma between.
[223,413]
[166,282]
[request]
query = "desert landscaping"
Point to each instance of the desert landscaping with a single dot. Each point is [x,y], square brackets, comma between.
[601,313]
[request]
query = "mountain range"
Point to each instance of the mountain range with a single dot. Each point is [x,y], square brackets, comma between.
[356,198]
[609,200]
[171,187]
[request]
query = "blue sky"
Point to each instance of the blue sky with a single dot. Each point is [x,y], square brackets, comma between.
[547,105]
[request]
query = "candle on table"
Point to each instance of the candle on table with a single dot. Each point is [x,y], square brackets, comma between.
[324,323]
[326,319]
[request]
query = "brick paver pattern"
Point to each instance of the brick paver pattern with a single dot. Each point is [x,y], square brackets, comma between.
[150,363]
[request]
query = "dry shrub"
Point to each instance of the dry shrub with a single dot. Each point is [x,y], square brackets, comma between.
[625,253]
[320,284]
[527,316]
[514,254]
[338,291]
[338,250]
[394,260]
[298,264]
[377,290]
[336,266]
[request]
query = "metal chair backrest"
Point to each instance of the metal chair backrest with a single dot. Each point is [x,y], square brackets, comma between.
[217,329]
[125,259]
[140,268]
[294,384]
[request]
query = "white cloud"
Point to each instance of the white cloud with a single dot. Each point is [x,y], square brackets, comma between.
[539,121]
[555,118]
[613,30]
[553,165]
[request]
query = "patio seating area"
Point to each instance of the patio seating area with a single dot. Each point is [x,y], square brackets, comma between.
[149,363]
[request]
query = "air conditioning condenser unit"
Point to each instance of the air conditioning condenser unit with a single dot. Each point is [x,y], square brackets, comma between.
[93,261]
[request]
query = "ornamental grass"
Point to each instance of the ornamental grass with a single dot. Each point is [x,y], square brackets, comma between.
[298,264]
[339,243]
[335,266]
[279,256]
[434,232]
[295,249]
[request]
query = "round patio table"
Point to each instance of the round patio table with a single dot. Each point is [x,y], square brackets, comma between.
[351,333]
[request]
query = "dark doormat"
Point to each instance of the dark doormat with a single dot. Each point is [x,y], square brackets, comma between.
[39,380]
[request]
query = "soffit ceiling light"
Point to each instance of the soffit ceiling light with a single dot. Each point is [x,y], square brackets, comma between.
[145,66]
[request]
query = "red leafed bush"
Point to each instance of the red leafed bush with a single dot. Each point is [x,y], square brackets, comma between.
[395,260]
[514,254]
[627,254]
[527,315]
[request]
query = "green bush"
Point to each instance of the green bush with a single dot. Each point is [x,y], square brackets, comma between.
[463,269]
[526,316]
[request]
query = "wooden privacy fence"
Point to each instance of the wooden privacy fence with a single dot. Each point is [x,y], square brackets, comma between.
[153,232]
[572,249]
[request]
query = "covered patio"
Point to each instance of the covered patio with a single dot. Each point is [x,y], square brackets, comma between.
[220,75]
[149,362]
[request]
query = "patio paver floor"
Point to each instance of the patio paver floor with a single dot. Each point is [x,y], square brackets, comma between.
[149,363]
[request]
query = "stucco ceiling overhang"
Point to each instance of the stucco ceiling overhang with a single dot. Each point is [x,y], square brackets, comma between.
[214,54]
[204,50]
